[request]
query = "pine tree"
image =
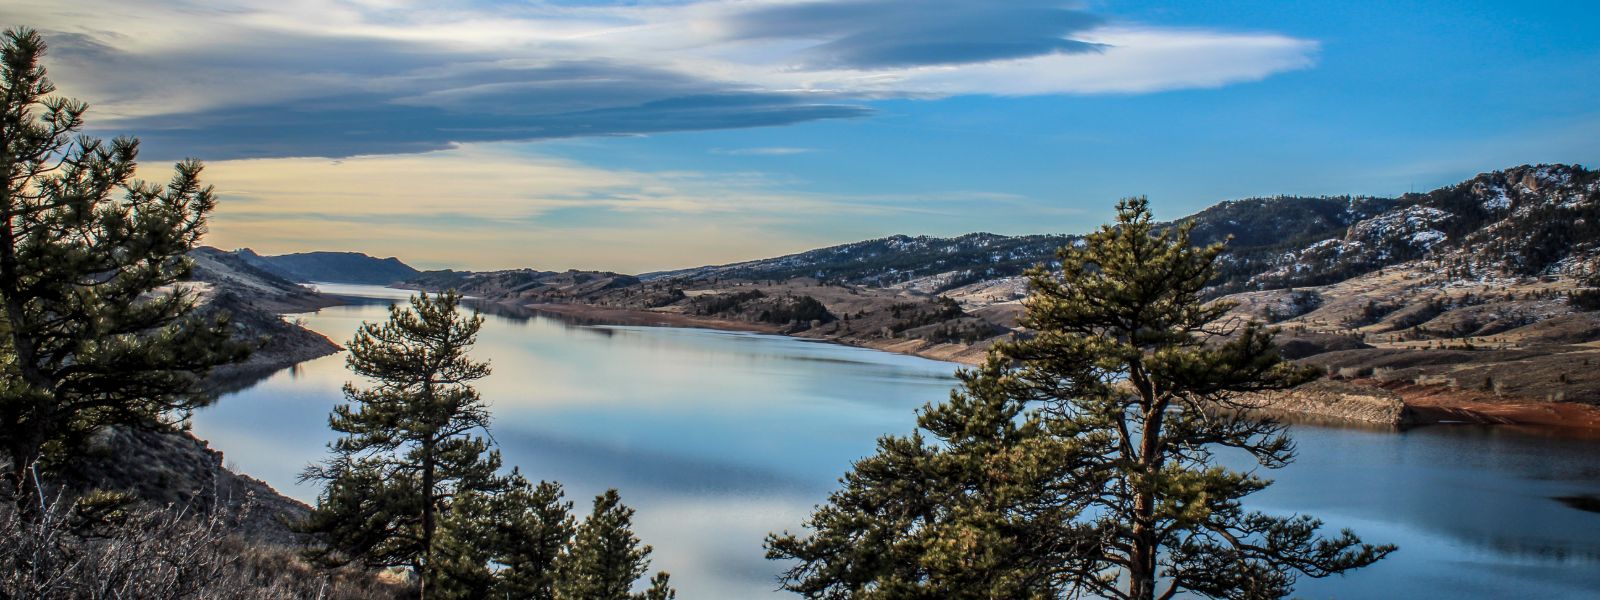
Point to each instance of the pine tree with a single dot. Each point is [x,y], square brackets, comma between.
[523,531]
[410,484]
[605,557]
[975,515]
[463,548]
[93,330]
[409,449]
[532,527]
[660,588]
[1079,460]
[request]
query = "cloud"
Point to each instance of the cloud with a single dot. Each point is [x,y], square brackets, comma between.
[882,34]
[366,124]
[1135,60]
[274,78]
[498,206]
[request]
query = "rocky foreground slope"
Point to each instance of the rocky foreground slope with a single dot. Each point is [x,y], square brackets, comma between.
[176,469]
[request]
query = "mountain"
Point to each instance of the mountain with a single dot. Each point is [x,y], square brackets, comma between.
[1480,294]
[526,285]
[894,259]
[1525,221]
[331,267]
[1260,229]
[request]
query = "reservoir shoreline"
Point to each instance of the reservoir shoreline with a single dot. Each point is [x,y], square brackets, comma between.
[964,354]
[1414,405]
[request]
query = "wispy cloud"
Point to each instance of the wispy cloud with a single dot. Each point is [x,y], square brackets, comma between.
[497,206]
[275,78]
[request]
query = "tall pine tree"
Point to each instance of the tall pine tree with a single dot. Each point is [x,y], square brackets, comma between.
[93,331]
[409,448]
[1080,459]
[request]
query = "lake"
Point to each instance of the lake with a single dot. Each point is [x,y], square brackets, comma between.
[718,438]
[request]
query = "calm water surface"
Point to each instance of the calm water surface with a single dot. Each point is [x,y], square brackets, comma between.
[718,438]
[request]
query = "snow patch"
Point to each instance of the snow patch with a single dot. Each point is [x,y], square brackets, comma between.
[1427,239]
[1499,201]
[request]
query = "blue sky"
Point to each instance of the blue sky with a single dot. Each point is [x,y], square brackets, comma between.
[657,135]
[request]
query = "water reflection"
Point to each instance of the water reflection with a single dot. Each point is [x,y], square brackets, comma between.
[720,437]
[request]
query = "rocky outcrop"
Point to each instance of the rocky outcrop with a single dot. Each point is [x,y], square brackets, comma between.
[1336,400]
[275,343]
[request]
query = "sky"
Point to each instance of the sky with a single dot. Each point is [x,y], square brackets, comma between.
[639,136]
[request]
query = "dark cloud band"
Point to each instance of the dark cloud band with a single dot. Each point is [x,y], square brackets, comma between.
[906,33]
[478,101]
[345,127]
[306,94]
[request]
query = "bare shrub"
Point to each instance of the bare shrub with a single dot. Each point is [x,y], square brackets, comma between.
[1353,372]
[100,546]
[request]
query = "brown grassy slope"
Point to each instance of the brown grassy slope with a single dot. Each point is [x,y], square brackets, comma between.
[1506,349]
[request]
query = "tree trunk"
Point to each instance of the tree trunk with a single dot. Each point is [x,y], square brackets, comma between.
[1142,574]
[23,457]
[427,519]
[24,449]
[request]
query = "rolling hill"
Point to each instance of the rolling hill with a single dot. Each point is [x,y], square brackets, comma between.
[331,267]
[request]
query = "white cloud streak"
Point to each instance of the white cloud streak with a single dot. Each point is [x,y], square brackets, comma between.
[175,57]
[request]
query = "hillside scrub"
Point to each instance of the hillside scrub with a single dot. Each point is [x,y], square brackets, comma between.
[723,304]
[1586,299]
[802,309]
